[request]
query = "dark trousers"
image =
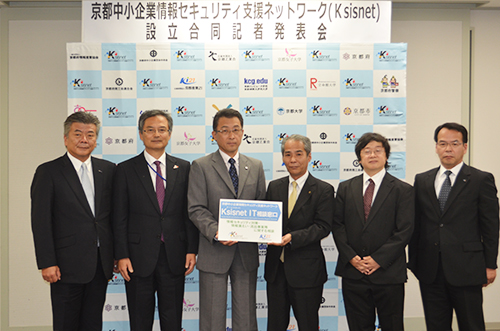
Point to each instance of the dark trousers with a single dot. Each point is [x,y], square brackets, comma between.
[78,307]
[304,301]
[440,298]
[364,300]
[169,289]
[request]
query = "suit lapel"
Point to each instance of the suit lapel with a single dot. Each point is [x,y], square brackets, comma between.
[98,182]
[142,169]
[305,194]
[461,182]
[71,176]
[282,195]
[220,167]
[384,190]
[431,190]
[171,169]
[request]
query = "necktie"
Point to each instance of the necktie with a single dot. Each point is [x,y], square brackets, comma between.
[234,175]
[292,199]
[445,190]
[87,187]
[368,197]
[160,189]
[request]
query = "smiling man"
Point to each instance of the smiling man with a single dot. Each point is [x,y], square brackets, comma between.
[70,215]
[373,223]
[155,242]
[454,249]
[225,174]
[295,268]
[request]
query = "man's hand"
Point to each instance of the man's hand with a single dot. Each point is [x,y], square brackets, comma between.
[51,274]
[370,265]
[125,266]
[357,263]
[284,240]
[190,263]
[491,274]
[225,242]
[115,267]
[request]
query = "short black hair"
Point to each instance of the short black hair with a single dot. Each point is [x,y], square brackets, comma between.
[366,139]
[152,113]
[81,117]
[452,126]
[228,113]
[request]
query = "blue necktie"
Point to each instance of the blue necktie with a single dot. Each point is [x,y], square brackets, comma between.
[87,187]
[234,175]
[445,190]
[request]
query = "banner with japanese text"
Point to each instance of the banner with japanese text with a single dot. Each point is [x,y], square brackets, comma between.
[236,21]
[330,92]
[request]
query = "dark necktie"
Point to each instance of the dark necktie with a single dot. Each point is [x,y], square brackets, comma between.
[234,175]
[445,190]
[160,189]
[368,197]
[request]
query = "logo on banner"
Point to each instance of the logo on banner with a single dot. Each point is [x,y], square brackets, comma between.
[118,141]
[356,56]
[315,84]
[182,111]
[114,57]
[189,140]
[350,138]
[153,57]
[383,56]
[76,56]
[119,82]
[115,280]
[221,57]
[81,108]
[318,166]
[389,85]
[281,136]
[290,56]
[251,111]
[189,307]
[318,110]
[356,167]
[109,308]
[318,56]
[284,84]
[384,111]
[148,85]
[351,84]
[79,85]
[183,56]
[362,111]
[256,140]
[282,111]
[251,56]
[323,136]
[252,84]
[218,84]
[187,83]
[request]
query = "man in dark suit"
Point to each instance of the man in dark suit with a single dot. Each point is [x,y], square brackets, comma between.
[155,242]
[295,268]
[70,215]
[225,174]
[454,249]
[373,223]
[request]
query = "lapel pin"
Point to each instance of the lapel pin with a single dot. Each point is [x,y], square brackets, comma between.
[465,180]
[309,192]
[176,166]
[246,167]
[99,171]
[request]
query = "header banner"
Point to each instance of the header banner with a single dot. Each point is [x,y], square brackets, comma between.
[236,21]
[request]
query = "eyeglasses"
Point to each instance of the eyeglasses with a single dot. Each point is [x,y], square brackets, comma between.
[226,132]
[444,144]
[368,152]
[151,131]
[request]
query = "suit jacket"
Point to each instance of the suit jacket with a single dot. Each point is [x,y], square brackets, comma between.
[209,181]
[64,229]
[383,236]
[138,222]
[466,232]
[310,221]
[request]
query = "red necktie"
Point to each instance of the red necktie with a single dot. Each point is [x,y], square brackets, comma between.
[368,197]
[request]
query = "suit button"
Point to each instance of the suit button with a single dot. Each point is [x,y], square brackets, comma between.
[441,225]
[364,249]
[436,244]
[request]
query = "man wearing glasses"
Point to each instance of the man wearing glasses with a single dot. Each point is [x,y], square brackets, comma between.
[373,223]
[225,174]
[454,249]
[155,242]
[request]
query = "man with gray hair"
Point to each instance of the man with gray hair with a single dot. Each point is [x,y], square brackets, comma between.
[155,242]
[295,268]
[70,216]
